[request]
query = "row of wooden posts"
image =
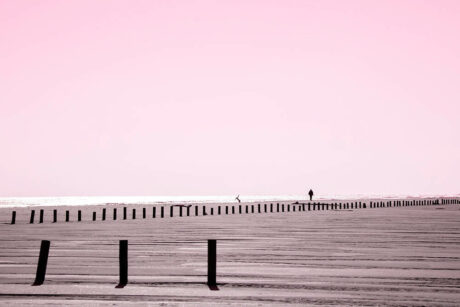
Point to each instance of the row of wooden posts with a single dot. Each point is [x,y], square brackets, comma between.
[123,260]
[266,208]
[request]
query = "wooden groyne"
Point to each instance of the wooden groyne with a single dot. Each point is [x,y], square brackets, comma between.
[28,216]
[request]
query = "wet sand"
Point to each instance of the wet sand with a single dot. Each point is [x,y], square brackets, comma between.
[371,257]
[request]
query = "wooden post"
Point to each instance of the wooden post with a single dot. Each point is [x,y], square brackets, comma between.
[54,216]
[123,256]
[32,216]
[41,216]
[212,264]
[79,215]
[94,216]
[67,215]
[13,217]
[162,212]
[144,213]
[124,213]
[171,211]
[154,212]
[114,214]
[42,262]
[103,214]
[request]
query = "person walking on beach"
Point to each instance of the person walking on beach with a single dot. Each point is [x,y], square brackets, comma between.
[238,198]
[311,194]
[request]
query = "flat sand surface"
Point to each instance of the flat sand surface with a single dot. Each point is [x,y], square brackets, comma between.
[404,256]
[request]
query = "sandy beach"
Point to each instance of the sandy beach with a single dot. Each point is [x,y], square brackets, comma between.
[381,256]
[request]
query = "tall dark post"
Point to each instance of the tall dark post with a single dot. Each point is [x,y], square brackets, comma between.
[180,211]
[218,210]
[277,207]
[282,208]
[13,217]
[41,216]
[32,216]
[79,215]
[94,216]
[54,216]
[196,210]
[226,209]
[233,209]
[252,208]
[240,209]
[171,211]
[265,208]
[271,207]
[162,212]
[114,214]
[188,210]
[247,209]
[42,262]
[212,211]
[154,212]
[67,215]
[103,214]
[124,213]
[144,213]
[204,210]
[123,264]
[134,214]
[212,260]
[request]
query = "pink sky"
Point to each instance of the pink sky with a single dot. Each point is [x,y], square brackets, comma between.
[226,97]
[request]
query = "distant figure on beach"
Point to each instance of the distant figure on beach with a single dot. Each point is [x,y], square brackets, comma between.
[238,198]
[311,194]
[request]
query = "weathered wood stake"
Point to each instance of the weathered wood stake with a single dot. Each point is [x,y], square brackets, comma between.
[123,256]
[42,262]
[212,263]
